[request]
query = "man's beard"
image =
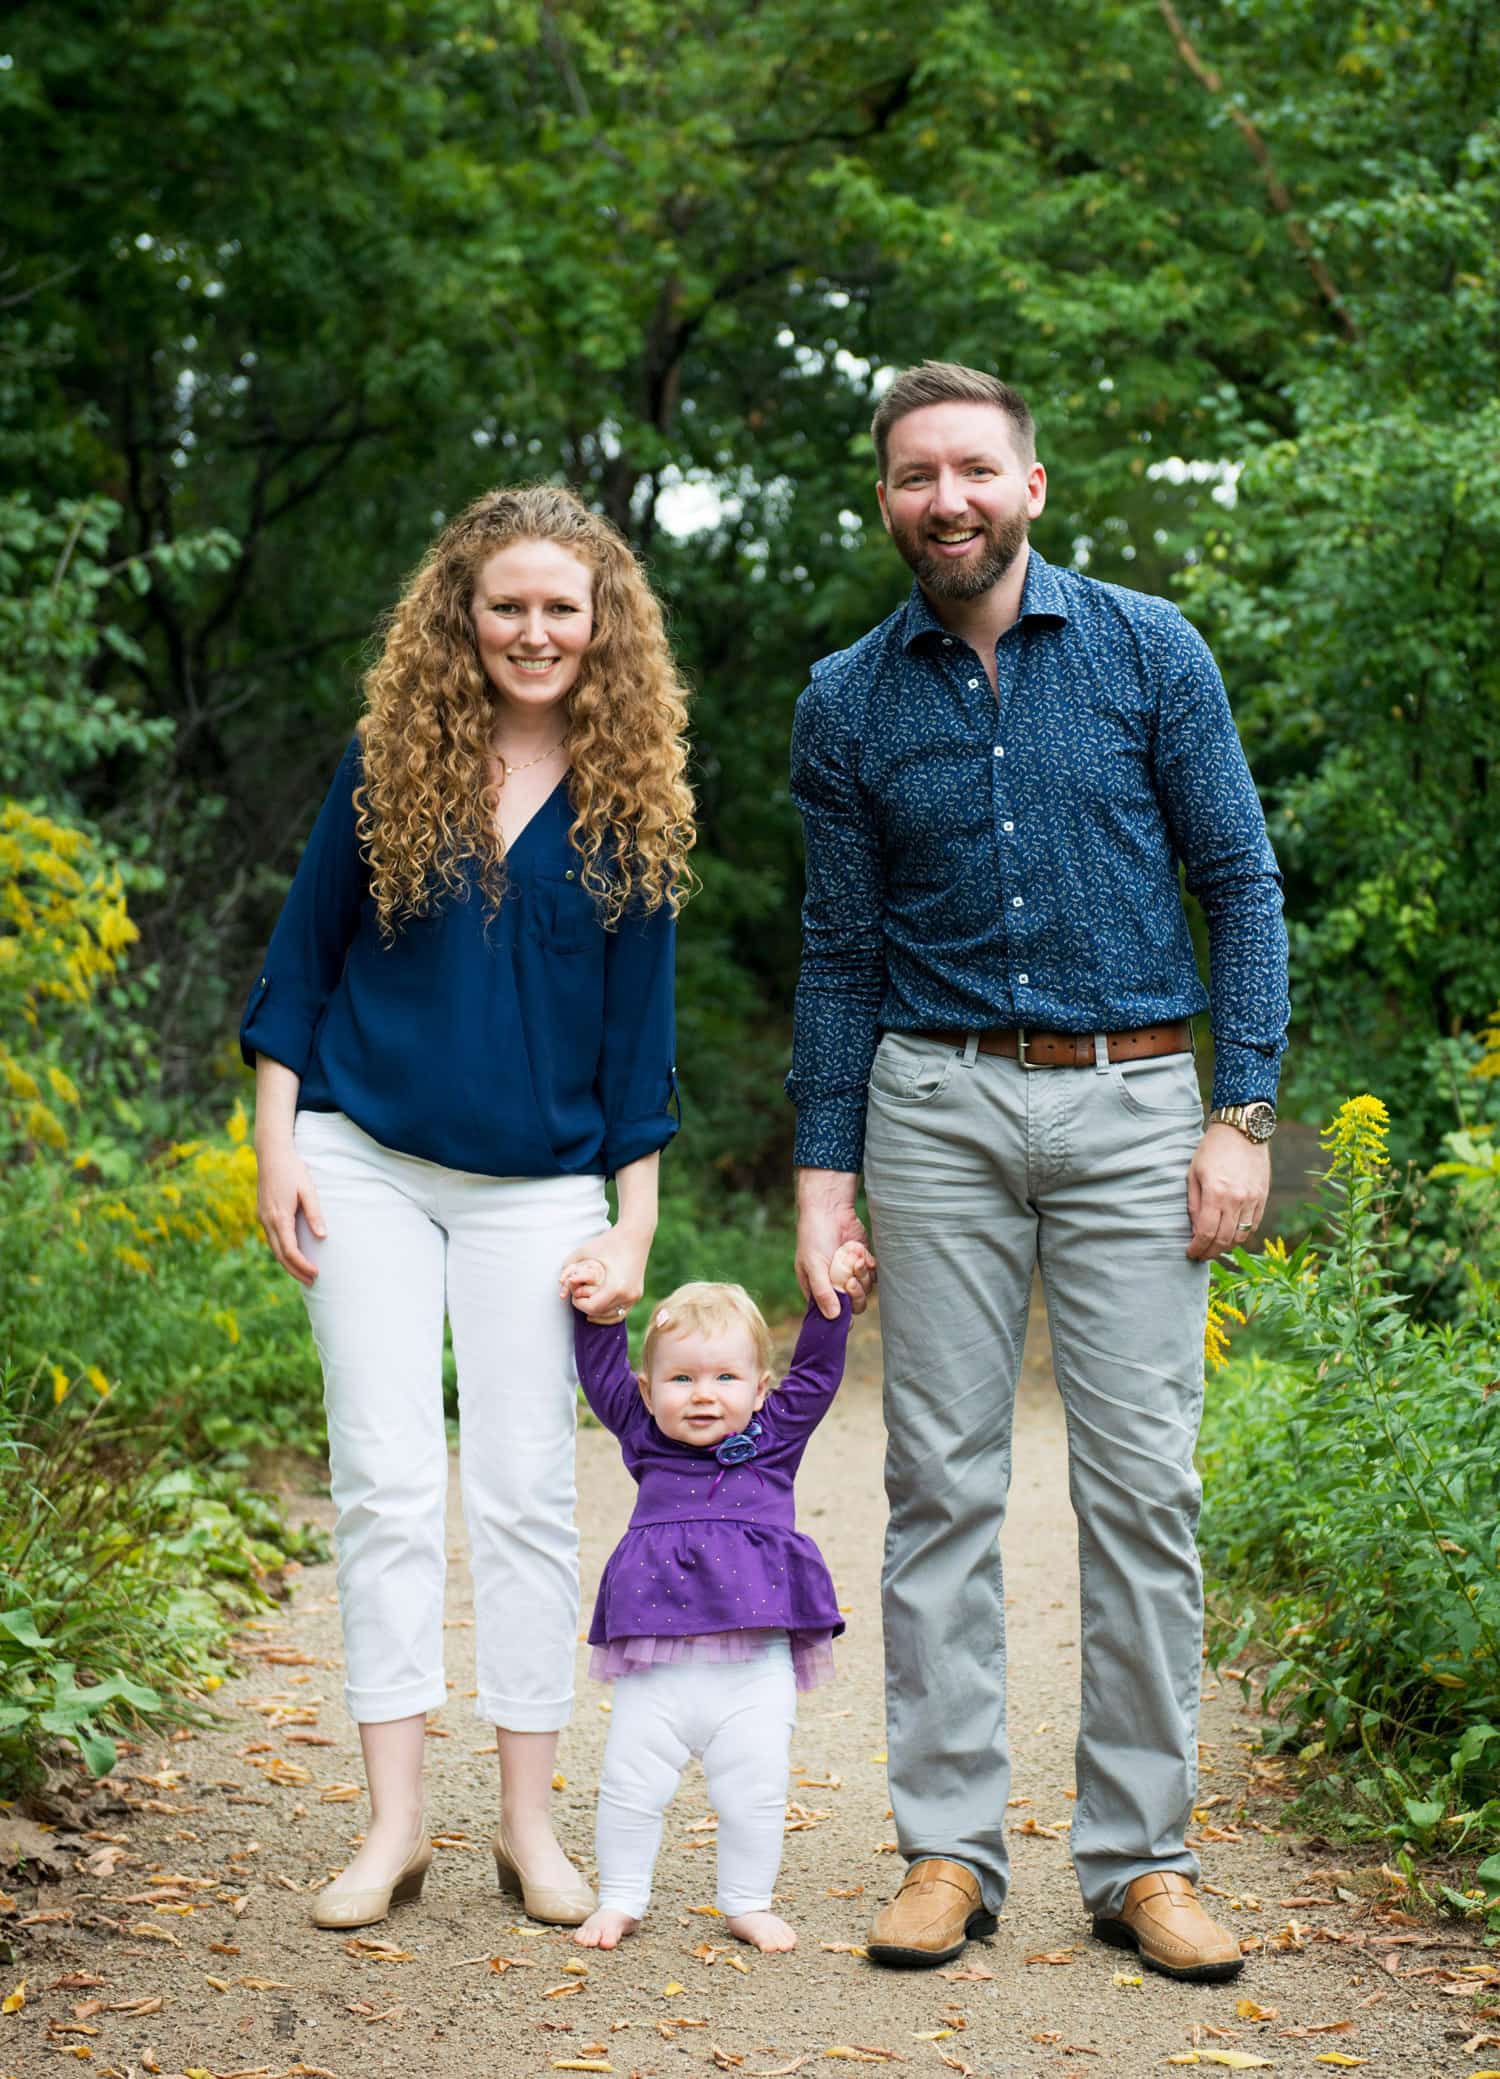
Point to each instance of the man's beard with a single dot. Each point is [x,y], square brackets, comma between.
[944,579]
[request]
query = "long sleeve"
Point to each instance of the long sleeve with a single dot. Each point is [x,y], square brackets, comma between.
[601,1350]
[1219,831]
[637,1050]
[313,934]
[843,958]
[806,1393]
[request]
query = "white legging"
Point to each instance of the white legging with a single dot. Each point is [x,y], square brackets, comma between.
[408,1240]
[737,1718]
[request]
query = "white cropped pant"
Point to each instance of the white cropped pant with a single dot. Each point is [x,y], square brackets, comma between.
[408,1241]
[737,1718]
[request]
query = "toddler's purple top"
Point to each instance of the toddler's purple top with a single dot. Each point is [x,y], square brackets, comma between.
[704,1557]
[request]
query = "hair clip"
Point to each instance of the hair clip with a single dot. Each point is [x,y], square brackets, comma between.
[663,1319]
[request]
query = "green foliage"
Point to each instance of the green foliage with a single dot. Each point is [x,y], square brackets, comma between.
[122,1579]
[1352,1492]
[140,1324]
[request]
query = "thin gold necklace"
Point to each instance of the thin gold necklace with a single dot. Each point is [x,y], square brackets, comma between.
[527,763]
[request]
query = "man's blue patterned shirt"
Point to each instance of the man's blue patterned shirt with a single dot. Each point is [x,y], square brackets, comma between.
[974,862]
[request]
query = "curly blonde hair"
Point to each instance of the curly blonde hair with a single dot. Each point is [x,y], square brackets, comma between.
[428,802]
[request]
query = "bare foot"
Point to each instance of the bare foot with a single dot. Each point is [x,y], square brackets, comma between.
[766,1931]
[603,1928]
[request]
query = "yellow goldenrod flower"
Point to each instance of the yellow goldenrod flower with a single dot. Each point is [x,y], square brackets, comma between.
[60,1384]
[1355,1139]
[134,1260]
[45,1126]
[1488,1063]
[63,1086]
[1216,1332]
[18,1082]
[98,1381]
[237,1125]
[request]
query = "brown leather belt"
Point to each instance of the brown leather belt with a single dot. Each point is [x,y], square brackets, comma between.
[1071,1049]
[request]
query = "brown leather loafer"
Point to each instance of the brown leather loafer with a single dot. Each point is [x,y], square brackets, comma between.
[938,1908]
[1162,1921]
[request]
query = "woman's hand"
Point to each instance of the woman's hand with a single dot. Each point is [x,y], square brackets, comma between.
[615,1264]
[283,1189]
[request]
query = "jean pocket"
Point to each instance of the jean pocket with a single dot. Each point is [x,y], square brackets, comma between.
[910,1072]
[1165,1087]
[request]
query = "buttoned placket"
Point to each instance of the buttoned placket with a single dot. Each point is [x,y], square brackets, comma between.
[1008,663]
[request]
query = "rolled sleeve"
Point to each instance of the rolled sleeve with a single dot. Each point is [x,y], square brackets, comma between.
[1219,831]
[637,1053]
[313,933]
[842,976]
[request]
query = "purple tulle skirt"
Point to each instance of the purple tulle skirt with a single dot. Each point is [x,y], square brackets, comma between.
[812,1653]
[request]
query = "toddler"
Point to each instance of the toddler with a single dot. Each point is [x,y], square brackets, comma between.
[713,1609]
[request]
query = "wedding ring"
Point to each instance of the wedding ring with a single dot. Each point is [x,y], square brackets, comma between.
[1244,1227]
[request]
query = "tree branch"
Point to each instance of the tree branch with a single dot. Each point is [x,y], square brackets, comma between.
[1276,188]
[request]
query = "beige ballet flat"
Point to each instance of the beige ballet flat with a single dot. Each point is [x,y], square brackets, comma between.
[570,1908]
[364,1908]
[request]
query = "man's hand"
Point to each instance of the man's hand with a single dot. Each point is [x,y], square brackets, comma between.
[1227,1187]
[826,1220]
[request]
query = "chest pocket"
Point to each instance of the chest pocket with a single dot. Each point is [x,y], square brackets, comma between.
[563,917]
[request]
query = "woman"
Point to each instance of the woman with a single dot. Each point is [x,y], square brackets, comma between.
[463,1026]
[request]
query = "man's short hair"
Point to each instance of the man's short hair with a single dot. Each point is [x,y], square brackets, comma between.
[949,382]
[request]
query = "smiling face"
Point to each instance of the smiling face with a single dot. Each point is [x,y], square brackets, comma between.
[704,1386]
[958,498]
[533,612]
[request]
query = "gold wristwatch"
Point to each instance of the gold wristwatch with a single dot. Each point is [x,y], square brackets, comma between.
[1256,1120]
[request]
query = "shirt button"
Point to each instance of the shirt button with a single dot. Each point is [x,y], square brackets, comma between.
[569,875]
[973,683]
[947,642]
[1023,980]
[1016,902]
[999,750]
[1007,826]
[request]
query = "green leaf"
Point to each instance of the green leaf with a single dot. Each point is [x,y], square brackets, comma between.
[21,1624]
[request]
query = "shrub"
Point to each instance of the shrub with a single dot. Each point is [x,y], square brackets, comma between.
[122,1576]
[1352,1486]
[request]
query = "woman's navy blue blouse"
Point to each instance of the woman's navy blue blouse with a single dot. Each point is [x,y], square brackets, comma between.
[541,1046]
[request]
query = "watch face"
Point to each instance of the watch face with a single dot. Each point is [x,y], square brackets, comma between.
[1260,1121]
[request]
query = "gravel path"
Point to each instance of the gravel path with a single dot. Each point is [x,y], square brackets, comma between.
[195,1902]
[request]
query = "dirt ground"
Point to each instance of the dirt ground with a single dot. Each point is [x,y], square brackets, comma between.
[179,1942]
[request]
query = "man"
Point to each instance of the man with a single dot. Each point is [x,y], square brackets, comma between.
[997,786]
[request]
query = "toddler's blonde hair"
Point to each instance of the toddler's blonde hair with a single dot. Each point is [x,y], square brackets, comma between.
[702,1308]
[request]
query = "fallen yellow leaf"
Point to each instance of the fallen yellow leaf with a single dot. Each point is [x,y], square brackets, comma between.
[1249,2010]
[1237,2060]
[1127,1978]
[1338,2057]
[670,1991]
[14,2001]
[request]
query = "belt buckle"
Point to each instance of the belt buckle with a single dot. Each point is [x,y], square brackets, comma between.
[1021,1050]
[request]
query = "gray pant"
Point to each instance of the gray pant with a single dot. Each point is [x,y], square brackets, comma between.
[977,1171]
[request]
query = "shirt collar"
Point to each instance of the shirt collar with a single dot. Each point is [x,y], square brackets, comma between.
[1042,599]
